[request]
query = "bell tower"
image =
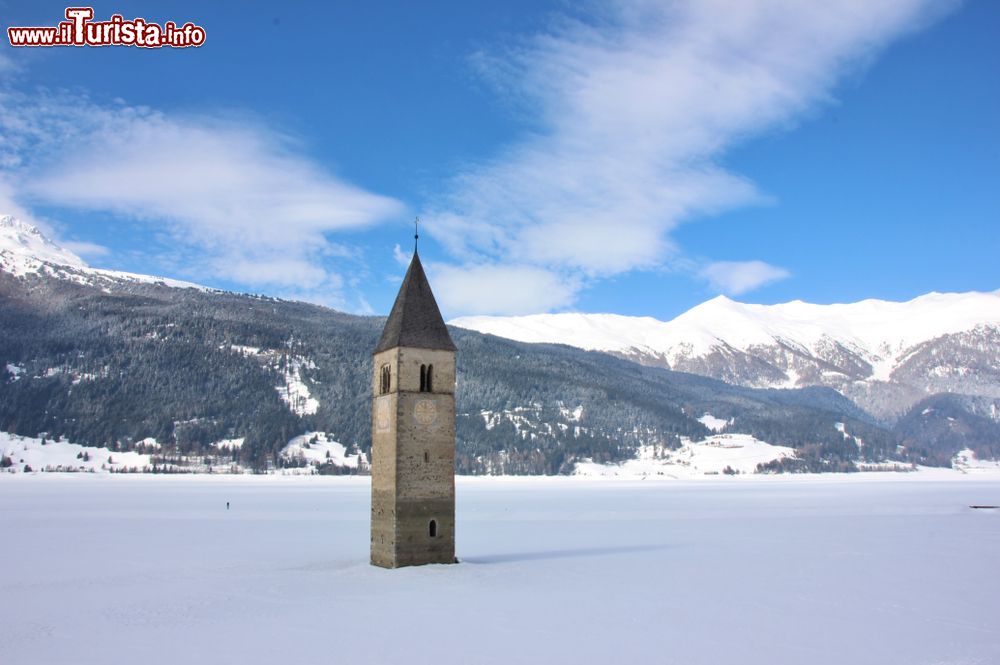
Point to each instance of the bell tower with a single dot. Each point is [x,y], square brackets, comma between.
[413,432]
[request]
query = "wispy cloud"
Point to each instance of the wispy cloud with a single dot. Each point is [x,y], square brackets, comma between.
[512,289]
[6,64]
[84,248]
[401,257]
[631,114]
[9,204]
[738,277]
[242,199]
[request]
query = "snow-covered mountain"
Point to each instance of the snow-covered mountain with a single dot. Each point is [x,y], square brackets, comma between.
[115,360]
[884,355]
[25,251]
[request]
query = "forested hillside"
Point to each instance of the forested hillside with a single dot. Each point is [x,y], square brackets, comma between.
[117,365]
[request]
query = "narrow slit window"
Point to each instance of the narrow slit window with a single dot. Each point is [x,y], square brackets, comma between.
[427,457]
[432,529]
[423,378]
[430,378]
[385,380]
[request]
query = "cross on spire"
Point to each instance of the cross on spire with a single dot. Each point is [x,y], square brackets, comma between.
[416,233]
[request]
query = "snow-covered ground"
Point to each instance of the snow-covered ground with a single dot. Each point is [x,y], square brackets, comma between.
[966,462]
[721,453]
[22,454]
[316,448]
[713,423]
[27,454]
[771,570]
[717,454]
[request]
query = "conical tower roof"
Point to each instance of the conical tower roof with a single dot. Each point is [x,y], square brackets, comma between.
[415,320]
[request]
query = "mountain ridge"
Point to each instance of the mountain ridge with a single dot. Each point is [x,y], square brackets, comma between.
[115,360]
[866,350]
[25,250]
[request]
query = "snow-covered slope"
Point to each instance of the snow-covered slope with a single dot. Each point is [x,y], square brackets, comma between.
[24,250]
[877,328]
[313,449]
[718,454]
[293,389]
[26,454]
[938,342]
[303,455]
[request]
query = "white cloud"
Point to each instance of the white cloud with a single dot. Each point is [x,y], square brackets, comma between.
[7,64]
[401,257]
[364,307]
[10,206]
[631,113]
[736,277]
[630,109]
[286,271]
[242,196]
[84,248]
[499,289]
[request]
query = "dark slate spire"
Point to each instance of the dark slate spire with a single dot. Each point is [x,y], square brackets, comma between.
[415,320]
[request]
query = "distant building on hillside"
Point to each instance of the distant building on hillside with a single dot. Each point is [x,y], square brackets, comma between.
[413,432]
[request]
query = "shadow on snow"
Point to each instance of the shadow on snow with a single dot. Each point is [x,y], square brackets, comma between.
[561,554]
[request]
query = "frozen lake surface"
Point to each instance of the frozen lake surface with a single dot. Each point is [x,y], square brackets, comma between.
[848,569]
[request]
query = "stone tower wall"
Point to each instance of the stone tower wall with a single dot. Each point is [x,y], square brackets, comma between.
[413,460]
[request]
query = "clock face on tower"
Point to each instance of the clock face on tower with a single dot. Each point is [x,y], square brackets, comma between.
[425,412]
[382,415]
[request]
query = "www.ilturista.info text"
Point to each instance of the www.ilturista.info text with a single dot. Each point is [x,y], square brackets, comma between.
[81,30]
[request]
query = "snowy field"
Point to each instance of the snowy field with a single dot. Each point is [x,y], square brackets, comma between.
[846,569]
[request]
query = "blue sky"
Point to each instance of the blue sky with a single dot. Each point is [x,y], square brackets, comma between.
[628,157]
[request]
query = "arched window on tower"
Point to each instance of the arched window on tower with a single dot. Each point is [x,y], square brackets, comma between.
[385,379]
[427,378]
[432,529]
